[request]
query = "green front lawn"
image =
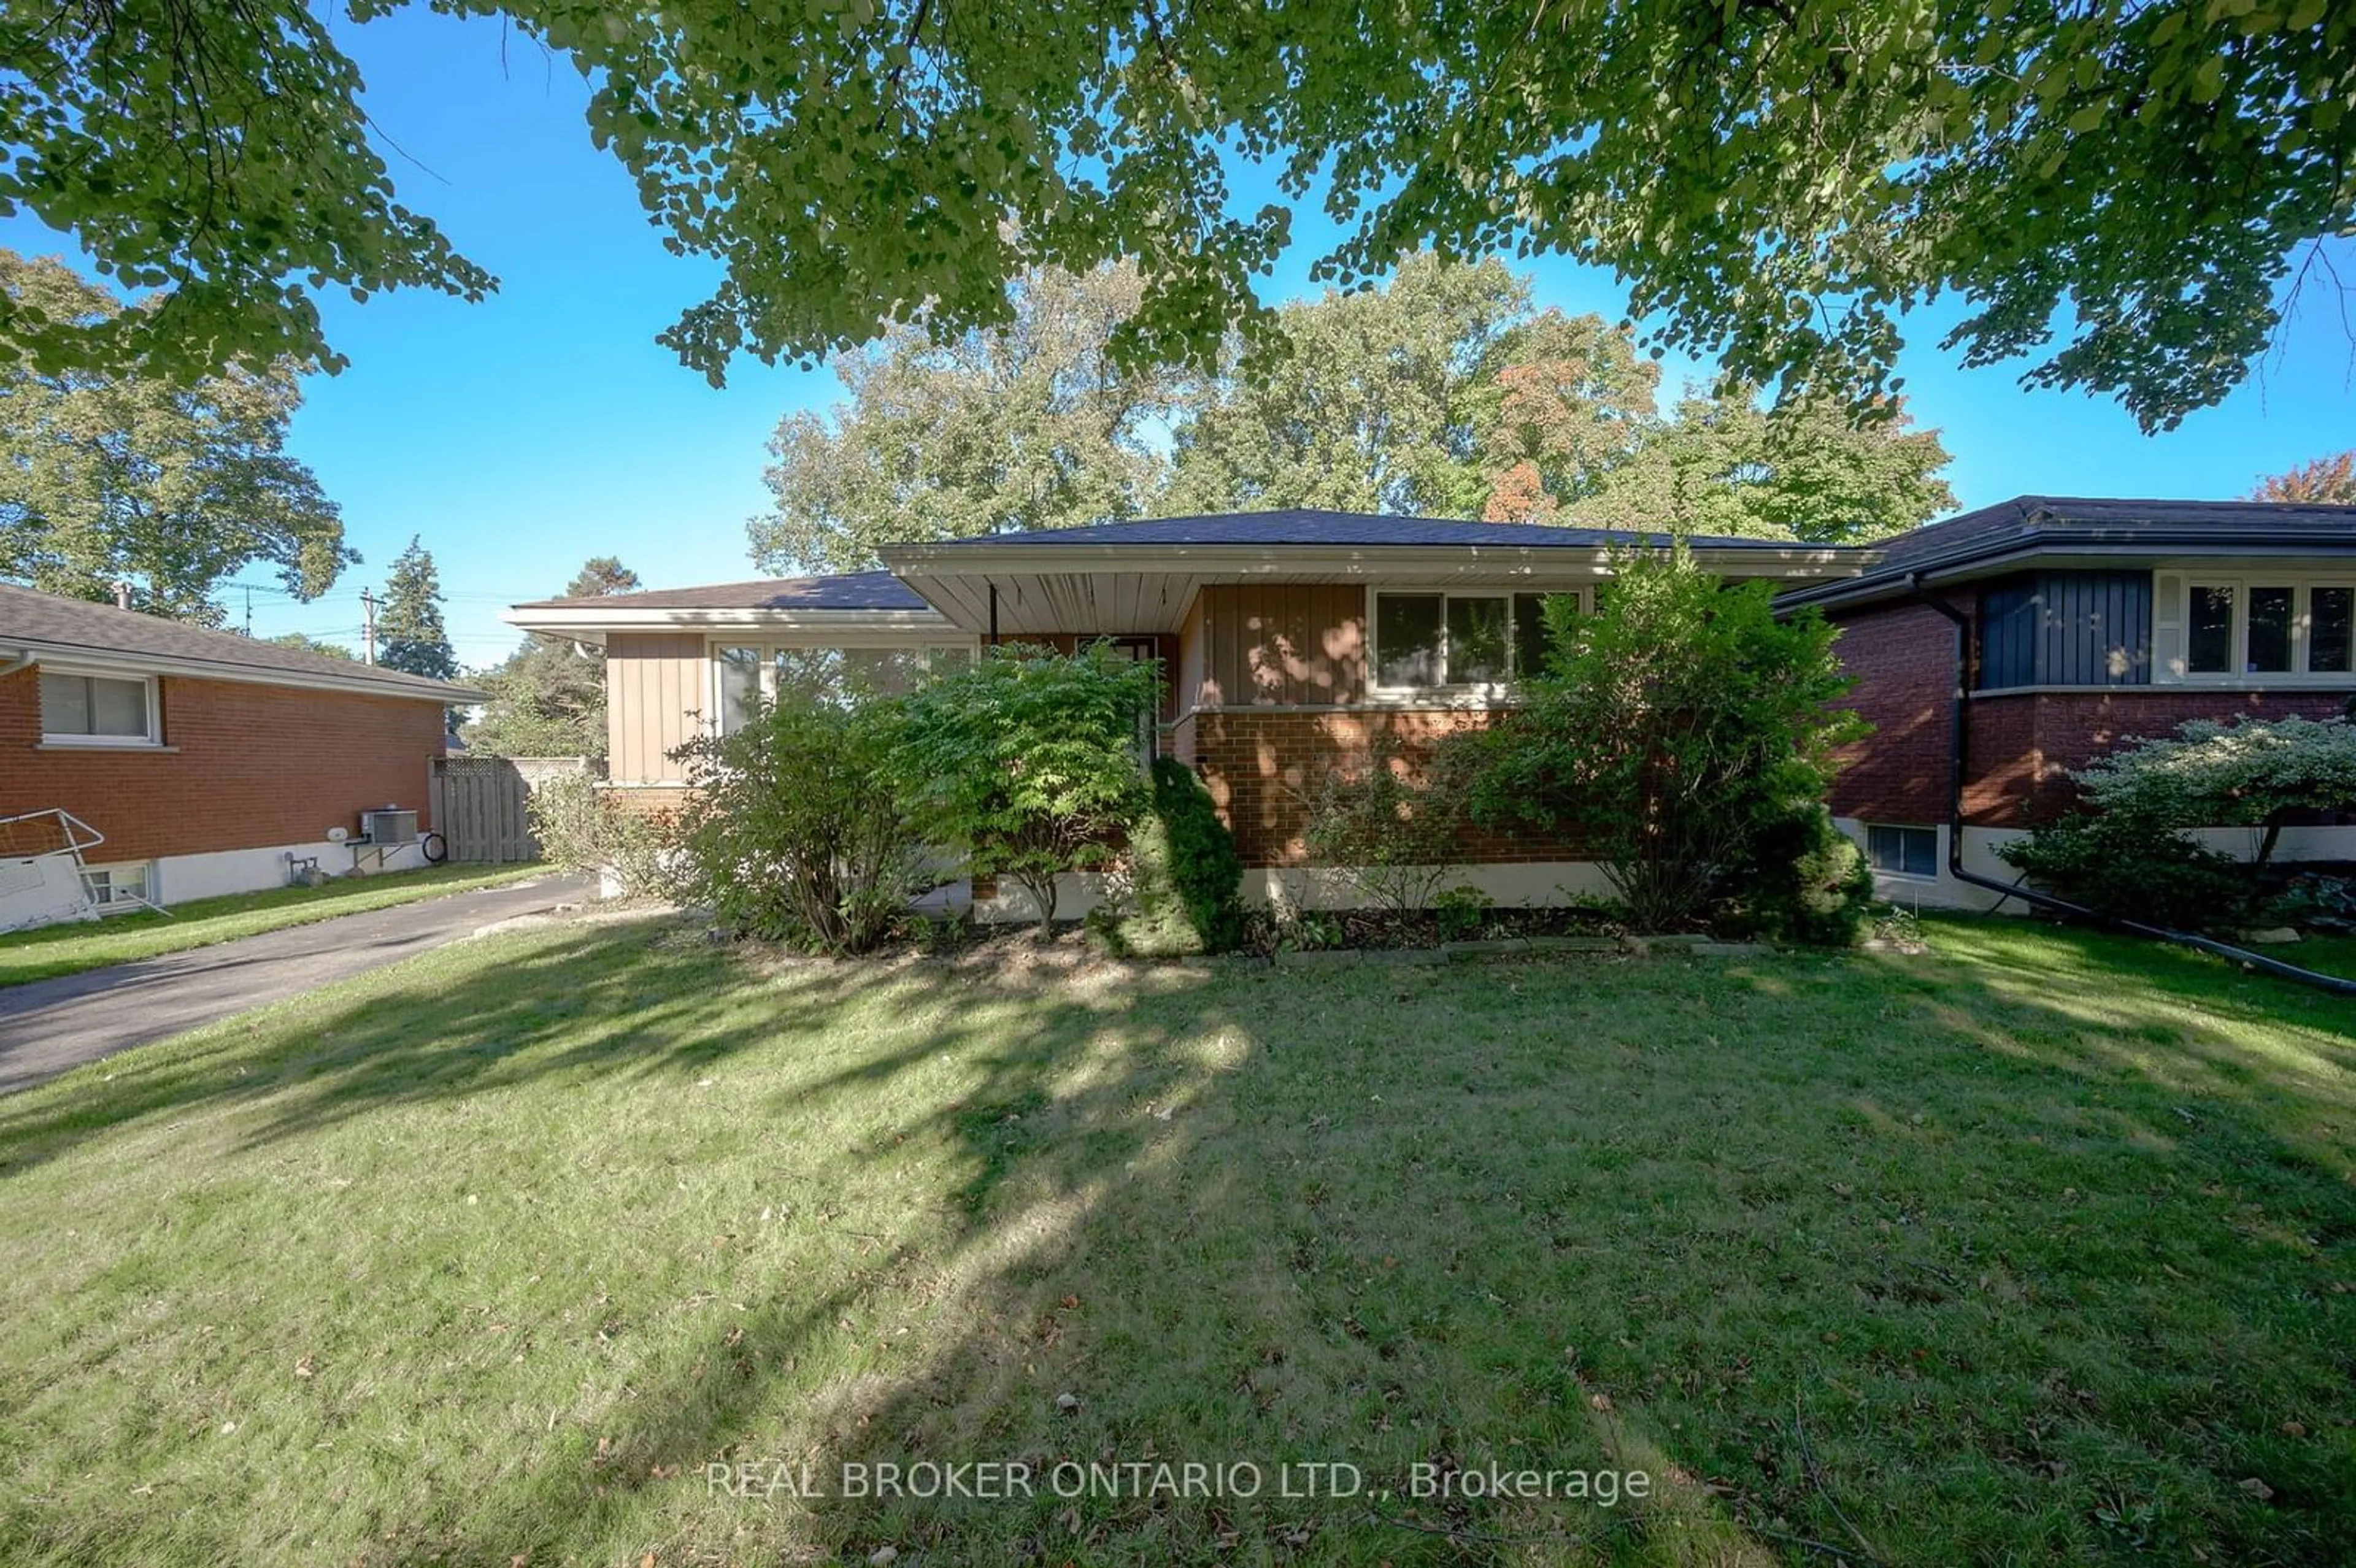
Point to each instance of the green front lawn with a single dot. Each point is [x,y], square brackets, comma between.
[2038,1249]
[54,950]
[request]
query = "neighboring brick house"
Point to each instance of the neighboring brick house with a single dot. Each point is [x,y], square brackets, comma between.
[1288,640]
[210,761]
[2072,626]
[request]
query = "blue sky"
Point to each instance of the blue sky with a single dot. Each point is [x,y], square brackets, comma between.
[520,436]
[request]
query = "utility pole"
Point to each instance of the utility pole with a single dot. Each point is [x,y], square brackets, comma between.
[368,607]
[249,611]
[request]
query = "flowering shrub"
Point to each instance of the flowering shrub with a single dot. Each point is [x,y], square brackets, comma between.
[2126,853]
[2251,773]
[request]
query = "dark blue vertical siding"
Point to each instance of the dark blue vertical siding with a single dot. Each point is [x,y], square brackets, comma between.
[2066,628]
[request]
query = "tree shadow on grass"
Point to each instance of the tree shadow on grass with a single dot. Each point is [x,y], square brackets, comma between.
[1572,1216]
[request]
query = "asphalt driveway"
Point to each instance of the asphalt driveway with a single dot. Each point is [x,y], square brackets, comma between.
[48,1026]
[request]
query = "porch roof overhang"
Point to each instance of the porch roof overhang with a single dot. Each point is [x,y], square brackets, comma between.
[592,625]
[1035,587]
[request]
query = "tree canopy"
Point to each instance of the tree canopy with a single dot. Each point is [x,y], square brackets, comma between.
[2122,189]
[1444,392]
[303,642]
[547,699]
[174,487]
[2326,480]
[410,636]
[1027,425]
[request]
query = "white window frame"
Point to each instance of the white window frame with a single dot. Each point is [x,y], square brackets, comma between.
[715,700]
[1930,876]
[153,739]
[2302,617]
[1584,593]
[143,898]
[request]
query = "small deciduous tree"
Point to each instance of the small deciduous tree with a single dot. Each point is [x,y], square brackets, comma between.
[1670,730]
[303,642]
[1026,762]
[547,699]
[793,832]
[2127,853]
[2326,480]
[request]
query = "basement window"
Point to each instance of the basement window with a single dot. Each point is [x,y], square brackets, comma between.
[114,889]
[79,709]
[1902,851]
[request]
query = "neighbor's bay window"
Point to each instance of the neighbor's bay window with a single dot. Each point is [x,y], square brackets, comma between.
[97,709]
[1427,641]
[2253,627]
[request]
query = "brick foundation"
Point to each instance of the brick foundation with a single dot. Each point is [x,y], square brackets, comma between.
[1262,768]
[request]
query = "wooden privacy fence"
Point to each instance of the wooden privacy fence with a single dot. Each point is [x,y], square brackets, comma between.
[478,804]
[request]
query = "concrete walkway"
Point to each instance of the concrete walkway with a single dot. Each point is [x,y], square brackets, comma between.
[48,1026]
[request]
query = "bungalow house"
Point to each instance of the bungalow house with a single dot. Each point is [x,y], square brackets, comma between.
[1291,640]
[1999,650]
[1288,640]
[195,762]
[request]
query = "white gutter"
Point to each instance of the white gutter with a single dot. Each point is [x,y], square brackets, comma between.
[29,651]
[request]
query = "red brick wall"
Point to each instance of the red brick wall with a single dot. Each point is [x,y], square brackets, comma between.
[2022,744]
[1902,658]
[1262,767]
[249,766]
[2026,746]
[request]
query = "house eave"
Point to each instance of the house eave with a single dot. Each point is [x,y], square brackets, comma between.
[39,651]
[2071,546]
[592,626]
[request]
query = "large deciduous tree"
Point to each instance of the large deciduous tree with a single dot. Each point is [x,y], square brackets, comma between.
[410,636]
[1444,392]
[218,152]
[174,488]
[548,698]
[1029,424]
[1723,464]
[1369,405]
[2120,187]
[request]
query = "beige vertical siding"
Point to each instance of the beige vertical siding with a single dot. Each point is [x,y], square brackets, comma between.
[654,680]
[1192,669]
[1282,645]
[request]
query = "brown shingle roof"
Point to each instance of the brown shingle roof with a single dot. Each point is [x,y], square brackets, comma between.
[70,627]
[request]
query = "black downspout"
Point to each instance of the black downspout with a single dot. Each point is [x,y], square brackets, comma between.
[993,615]
[1958,758]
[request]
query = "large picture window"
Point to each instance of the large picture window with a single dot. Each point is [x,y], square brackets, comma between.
[1466,641]
[2257,626]
[745,675]
[97,709]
